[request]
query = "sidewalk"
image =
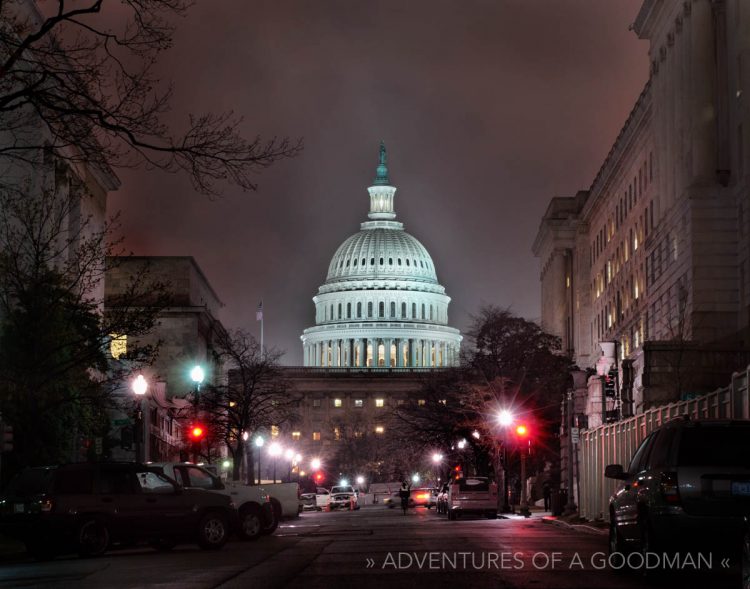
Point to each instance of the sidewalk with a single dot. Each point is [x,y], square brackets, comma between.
[11,549]
[573,522]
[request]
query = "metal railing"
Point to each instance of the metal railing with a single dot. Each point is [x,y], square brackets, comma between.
[615,443]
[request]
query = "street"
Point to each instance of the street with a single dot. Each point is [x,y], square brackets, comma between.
[372,547]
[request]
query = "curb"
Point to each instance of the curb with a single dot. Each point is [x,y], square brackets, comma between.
[576,527]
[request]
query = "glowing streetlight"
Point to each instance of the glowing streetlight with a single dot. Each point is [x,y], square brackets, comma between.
[298,458]
[289,454]
[437,457]
[315,463]
[505,418]
[275,450]
[197,374]
[259,441]
[415,478]
[226,464]
[461,444]
[140,385]
[344,482]
[360,480]
[245,436]
[475,435]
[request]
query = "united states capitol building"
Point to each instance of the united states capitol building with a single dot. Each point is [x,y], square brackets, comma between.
[381,305]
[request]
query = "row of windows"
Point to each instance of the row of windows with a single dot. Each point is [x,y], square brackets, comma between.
[342,311]
[623,207]
[339,403]
[407,262]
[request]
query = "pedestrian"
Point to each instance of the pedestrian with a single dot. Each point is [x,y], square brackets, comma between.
[547,493]
[404,493]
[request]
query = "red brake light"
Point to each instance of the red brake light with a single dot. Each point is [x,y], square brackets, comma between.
[670,490]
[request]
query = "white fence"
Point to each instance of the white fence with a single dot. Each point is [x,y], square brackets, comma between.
[616,443]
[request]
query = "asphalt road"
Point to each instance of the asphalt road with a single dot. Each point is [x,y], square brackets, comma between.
[373,547]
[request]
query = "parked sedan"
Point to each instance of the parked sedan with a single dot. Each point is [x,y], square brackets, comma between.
[87,507]
[424,497]
[687,485]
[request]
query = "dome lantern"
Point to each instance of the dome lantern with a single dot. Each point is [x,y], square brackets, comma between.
[381,192]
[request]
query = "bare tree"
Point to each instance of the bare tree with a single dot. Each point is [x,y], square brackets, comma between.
[255,396]
[71,83]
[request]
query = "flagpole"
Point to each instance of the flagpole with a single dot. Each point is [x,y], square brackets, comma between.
[262,348]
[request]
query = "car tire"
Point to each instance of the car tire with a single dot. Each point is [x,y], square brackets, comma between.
[615,538]
[213,531]
[251,523]
[271,528]
[92,537]
[492,515]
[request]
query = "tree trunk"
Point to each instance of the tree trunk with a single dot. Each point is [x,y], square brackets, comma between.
[238,454]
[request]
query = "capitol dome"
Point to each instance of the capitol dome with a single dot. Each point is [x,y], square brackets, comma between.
[381,305]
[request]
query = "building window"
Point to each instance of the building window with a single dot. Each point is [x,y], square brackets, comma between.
[379,402]
[274,431]
[348,310]
[421,402]
[359,310]
[414,310]
[316,403]
[381,309]
[423,311]
[379,429]
[118,345]
[316,436]
[296,436]
[369,309]
[393,309]
[403,309]
[381,261]
[339,311]
[337,402]
[359,403]
[337,433]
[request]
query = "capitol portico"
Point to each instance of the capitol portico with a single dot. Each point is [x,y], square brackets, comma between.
[381,304]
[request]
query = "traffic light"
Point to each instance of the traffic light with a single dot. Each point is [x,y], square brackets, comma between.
[7,438]
[522,431]
[197,433]
[319,477]
[610,383]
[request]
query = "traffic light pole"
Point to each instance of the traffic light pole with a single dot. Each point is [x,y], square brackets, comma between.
[506,486]
[524,499]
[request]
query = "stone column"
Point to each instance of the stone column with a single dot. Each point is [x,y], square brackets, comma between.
[335,354]
[387,351]
[412,353]
[399,353]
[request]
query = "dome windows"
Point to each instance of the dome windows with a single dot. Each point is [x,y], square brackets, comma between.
[381,309]
[407,261]
[359,310]
[393,309]
[372,261]
[390,261]
[381,261]
[399,261]
[369,309]
[403,310]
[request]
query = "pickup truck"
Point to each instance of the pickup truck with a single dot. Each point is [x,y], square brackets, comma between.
[344,496]
[476,495]
[255,506]
[317,501]
[285,498]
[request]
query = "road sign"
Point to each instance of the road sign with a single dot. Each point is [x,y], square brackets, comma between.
[98,446]
[574,432]
[123,421]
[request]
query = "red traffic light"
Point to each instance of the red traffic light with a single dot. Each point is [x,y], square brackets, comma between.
[318,477]
[197,432]
[522,431]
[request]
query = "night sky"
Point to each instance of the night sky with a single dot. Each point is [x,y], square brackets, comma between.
[488,109]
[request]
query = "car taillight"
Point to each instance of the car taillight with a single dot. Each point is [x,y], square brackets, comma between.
[45,505]
[669,488]
[423,496]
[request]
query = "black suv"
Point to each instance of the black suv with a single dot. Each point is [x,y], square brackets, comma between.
[90,506]
[688,485]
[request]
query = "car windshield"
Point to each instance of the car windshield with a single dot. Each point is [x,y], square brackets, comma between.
[342,490]
[715,445]
[32,481]
[474,484]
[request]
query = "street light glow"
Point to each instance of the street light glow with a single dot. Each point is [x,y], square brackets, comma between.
[475,434]
[315,463]
[415,478]
[259,441]
[344,483]
[289,454]
[437,457]
[275,449]
[298,458]
[245,436]
[140,385]
[197,374]
[521,430]
[360,480]
[461,444]
[505,418]
[226,464]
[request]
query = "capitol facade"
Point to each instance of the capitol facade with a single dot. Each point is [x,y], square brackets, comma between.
[381,305]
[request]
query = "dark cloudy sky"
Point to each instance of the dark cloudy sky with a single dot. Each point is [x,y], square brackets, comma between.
[488,109]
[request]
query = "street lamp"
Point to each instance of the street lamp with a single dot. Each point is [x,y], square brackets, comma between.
[360,480]
[274,450]
[259,441]
[197,374]
[461,444]
[315,464]
[505,418]
[415,478]
[139,387]
[437,458]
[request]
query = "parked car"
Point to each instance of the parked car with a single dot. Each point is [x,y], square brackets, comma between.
[344,496]
[88,507]
[423,497]
[256,513]
[687,485]
[393,500]
[285,498]
[472,495]
[315,501]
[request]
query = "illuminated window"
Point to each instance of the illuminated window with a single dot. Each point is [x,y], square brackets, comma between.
[379,402]
[421,402]
[358,434]
[316,436]
[337,403]
[118,345]
[336,433]
[359,403]
[316,403]
[443,401]
[296,435]
[274,431]
[379,429]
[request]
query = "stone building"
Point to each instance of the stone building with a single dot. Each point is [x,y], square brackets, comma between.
[186,332]
[381,305]
[645,274]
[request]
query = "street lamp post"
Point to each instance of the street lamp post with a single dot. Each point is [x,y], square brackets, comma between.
[437,458]
[140,386]
[259,441]
[523,433]
[505,419]
[274,450]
